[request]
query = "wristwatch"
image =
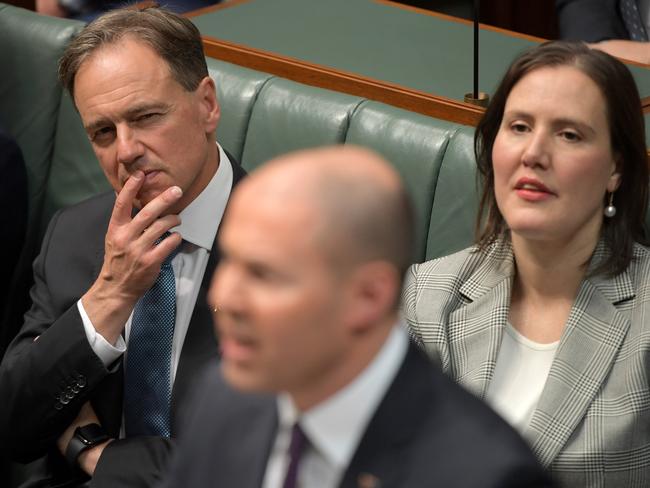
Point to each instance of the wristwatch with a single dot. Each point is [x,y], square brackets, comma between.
[84,437]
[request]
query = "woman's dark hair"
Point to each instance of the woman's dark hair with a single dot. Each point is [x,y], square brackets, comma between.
[627,135]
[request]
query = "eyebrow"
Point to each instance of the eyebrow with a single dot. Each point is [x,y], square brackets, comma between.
[560,121]
[131,113]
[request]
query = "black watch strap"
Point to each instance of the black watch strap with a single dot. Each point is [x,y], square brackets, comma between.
[84,438]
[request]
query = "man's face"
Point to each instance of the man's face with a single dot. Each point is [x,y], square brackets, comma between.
[139,118]
[281,307]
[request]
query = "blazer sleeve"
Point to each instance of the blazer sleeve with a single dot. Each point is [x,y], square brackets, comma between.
[589,20]
[136,462]
[49,370]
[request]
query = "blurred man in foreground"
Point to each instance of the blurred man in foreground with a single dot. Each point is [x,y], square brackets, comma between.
[319,385]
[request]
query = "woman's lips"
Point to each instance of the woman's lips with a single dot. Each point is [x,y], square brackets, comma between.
[533,190]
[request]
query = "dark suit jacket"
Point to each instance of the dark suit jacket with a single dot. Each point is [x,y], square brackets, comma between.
[590,20]
[13,221]
[50,370]
[427,431]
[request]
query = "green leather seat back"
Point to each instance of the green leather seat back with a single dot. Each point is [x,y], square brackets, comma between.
[414,144]
[288,116]
[30,93]
[75,173]
[455,201]
[237,90]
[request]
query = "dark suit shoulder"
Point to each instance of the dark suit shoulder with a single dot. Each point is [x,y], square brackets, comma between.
[428,431]
[590,20]
[226,437]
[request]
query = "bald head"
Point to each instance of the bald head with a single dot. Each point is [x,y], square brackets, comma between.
[358,205]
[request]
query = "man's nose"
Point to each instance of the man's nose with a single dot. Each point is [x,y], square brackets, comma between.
[129,147]
[226,291]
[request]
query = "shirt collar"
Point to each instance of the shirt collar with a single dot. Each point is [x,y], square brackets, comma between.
[201,218]
[335,426]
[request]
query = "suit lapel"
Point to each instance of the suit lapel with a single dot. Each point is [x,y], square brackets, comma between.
[592,338]
[200,344]
[475,330]
[382,454]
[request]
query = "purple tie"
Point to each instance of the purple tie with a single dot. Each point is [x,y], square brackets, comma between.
[296,448]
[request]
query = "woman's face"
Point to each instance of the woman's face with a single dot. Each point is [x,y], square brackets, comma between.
[552,157]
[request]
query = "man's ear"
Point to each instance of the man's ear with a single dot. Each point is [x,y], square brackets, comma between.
[207,96]
[374,291]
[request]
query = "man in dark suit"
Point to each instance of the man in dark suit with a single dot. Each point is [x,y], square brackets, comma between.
[319,385]
[119,315]
[618,27]
[13,195]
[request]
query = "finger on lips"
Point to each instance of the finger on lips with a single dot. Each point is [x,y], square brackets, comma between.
[150,213]
[124,201]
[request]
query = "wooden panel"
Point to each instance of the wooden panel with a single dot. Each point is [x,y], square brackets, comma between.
[331,79]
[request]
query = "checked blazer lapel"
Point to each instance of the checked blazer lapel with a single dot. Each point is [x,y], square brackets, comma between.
[591,340]
[475,330]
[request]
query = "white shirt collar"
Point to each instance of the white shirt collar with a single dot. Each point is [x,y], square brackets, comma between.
[335,426]
[201,218]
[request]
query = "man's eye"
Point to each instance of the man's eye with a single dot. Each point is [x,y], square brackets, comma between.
[148,116]
[102,134]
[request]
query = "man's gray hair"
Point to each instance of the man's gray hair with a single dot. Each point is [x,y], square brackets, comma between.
[174,38]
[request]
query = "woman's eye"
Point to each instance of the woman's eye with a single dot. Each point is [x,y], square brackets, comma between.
[519,127]
[570,136]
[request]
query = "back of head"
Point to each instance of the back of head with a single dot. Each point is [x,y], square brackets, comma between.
[627,136]
[174,38]
[365,211]
[314,246]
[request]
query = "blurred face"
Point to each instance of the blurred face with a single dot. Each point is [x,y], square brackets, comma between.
[139,118]
[280,319]
[552,157]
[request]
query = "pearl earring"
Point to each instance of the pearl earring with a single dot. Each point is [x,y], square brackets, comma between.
[610,210]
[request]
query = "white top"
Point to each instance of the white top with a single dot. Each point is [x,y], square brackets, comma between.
[200,221]
[335,427]
[519,377]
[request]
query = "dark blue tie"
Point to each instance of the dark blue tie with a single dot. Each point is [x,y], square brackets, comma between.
[632,20]
[147,385]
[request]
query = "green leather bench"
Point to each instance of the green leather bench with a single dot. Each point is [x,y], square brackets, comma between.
[262,116]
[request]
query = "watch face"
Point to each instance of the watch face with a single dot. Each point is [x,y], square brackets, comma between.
[91,434]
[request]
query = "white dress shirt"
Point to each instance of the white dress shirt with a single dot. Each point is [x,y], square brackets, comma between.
[200,221]
[335,427]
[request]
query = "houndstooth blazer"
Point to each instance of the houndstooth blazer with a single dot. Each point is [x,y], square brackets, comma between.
[591,427]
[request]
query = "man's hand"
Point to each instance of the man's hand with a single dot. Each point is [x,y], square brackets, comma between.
[87,459]
[50,7]
[630,50]
[131,260]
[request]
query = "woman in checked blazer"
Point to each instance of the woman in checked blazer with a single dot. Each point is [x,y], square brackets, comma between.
[547,317]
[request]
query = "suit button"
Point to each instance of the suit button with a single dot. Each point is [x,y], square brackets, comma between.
[64,399]
[81,381]
[75,389]
[58,406]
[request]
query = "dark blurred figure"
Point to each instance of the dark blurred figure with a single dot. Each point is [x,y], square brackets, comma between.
[13,220]
[618,27]
[87,10]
